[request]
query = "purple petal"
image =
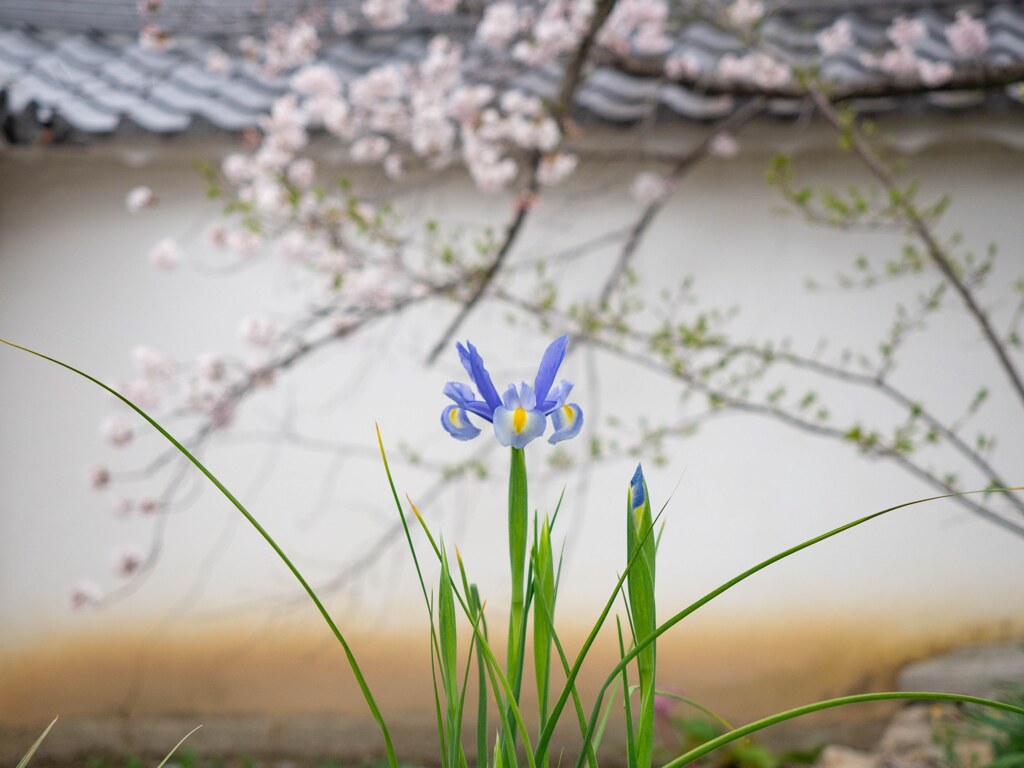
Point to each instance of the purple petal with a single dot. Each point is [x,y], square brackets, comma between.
[474,365]
[464,397]
[548,369]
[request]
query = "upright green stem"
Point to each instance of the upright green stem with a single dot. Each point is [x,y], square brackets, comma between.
[517,531]
[517,528]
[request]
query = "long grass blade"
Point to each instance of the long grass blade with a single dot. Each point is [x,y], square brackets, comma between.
[175,747]
[35,745]
[630,735]
[738,733]
[364,687]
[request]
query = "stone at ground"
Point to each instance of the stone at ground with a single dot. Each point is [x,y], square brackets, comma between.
[980,670]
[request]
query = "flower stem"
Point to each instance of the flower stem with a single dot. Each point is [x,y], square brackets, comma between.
[517,533]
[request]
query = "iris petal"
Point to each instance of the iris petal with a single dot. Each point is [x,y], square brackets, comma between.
[556,397]
[464,397]
[474,365]
[567,421]
[526,397]
[511,397]
[516,427]
[548,368]
[456,423]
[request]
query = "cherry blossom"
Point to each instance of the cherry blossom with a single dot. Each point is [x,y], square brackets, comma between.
[649,187]
[682,65]
[439,6]
[211,367]
[143,392]
[556,168]
[745,13]
[152,363]
[904,31]
[99,478]
[288,45]
[835,39]
[759,68]
[316,80]
[84,594]
[557,29]
[148,506]
[122,506]
[117,431]
[127,560]
[967,36]
[154,38]
[369,149]
[218,62]
[165,255]
[899,62]
[724,145]
[637,23]
[500,24]
[140,199]
[258,330]
[245,243]
[934,73]
[385,13]
[302,173]
[237,168]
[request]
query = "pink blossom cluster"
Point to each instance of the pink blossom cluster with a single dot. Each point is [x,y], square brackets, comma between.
[967,37]
[755,68]
[637,24]
[424,109]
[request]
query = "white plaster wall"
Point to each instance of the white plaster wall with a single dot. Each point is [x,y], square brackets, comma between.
[75,283]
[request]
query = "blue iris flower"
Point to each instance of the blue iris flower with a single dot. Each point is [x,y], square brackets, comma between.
[521,413]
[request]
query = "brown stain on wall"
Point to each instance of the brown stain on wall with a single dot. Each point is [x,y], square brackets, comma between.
[741,668]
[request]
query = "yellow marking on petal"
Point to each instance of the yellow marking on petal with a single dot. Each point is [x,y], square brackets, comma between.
[569,415]
[453,417]
[519,420]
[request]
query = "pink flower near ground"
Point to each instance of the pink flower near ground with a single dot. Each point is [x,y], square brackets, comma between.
[84,594]
[128,560]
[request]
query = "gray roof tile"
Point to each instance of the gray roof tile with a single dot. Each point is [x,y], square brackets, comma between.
[693,106]
[80,61]
[158,118]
